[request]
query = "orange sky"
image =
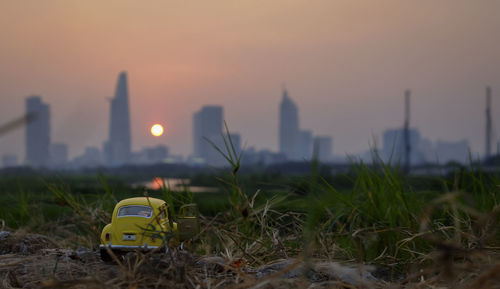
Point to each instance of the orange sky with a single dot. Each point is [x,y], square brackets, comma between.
[346,64]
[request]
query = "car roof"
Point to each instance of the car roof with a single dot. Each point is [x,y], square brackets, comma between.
[142,201]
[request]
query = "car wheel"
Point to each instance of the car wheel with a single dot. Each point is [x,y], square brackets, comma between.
[105,255]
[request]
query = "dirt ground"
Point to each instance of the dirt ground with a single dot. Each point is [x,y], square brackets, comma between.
[34,261]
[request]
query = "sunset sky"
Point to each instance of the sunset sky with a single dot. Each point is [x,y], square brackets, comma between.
[345,63]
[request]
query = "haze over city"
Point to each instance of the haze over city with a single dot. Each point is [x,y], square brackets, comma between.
[345,63]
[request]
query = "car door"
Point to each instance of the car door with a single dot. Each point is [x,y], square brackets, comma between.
[188,221]
[164,220]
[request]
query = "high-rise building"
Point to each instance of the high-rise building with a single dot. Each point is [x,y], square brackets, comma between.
[197,134]
[447,151]
[156,154]
[236,140]
[9,161]
[323,148]
[305,144]
[58,154]
[91,157]
[289,128]
[207,125]
[394,147]
[262,157]
[37,132]
[117,148]
[150,155]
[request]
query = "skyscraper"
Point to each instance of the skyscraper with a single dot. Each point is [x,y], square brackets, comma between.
[289,128]
[117,148]
[37,132]
[447,151]
[305,144]
[58,154]
[236,140]
[9,161]
[207,124]
[323,148]
[394,145]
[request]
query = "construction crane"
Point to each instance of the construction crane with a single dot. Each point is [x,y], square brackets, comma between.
[489,126]
[406,133]
[16,123]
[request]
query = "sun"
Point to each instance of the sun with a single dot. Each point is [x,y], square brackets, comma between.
[157,130]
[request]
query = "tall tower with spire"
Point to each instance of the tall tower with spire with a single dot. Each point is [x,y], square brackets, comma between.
[289,127]
[489,127]
[117,149]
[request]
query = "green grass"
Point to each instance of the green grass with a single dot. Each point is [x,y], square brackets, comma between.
[371,214]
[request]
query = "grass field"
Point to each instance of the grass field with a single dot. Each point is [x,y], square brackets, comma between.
[378,216]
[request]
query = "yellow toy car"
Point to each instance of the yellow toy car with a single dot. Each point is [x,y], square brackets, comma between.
[143,223]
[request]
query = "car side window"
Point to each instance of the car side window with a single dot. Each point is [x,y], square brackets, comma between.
[189,210]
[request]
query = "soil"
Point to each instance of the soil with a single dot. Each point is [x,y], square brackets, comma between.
[34,261]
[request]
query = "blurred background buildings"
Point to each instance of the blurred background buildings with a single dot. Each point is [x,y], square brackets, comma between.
[37,133]
[295,143]
[117,149]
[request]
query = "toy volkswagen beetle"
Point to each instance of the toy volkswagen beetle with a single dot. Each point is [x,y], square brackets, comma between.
[143,223]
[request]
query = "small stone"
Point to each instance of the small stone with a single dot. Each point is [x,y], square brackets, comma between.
[4,235]
[85,254]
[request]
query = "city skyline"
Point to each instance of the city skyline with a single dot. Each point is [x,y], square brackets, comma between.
[346,64]
[208,124]
[296,144]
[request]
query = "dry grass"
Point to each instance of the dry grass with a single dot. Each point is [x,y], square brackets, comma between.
[379,236]
[462,257]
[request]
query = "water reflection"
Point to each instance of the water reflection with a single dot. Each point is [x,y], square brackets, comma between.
[175,184]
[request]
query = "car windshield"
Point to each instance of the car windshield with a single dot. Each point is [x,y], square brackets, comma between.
[135,211]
